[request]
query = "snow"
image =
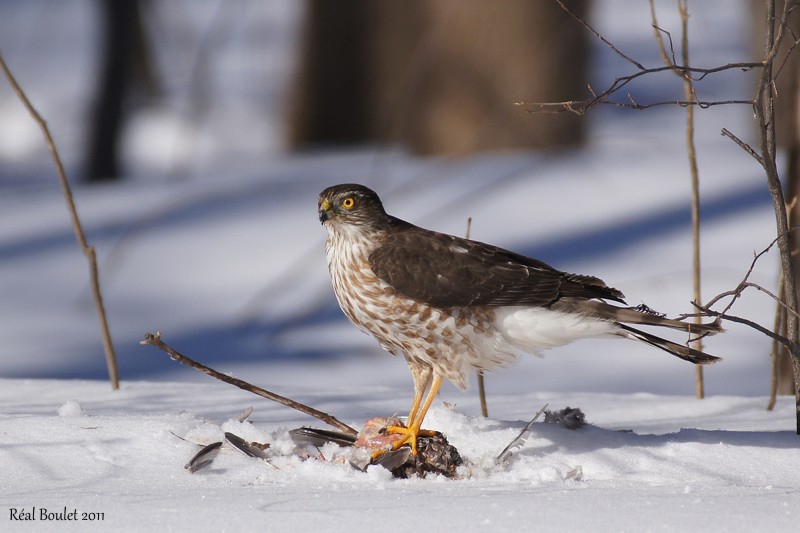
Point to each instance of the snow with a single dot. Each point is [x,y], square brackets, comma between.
[213,239]
[647,462]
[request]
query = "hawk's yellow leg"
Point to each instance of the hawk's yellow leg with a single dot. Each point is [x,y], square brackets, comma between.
[413,431]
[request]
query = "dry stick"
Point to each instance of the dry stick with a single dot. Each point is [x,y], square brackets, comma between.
[597,34]
[88,251]
[790,344]
[743,145]
[689,92]
[155,340]
[737,292]
[481,384]
[580,107]
[691,152]
[778,327]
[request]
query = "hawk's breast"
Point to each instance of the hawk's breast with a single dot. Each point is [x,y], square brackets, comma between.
[451,340]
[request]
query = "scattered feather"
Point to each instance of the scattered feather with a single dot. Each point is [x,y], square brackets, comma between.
[519,441]
[389,460]
[204,457]
[319,437]
[569,417]
[245,414]
[576,474]
[249,449]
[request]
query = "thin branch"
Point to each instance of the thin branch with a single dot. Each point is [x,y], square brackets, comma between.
[695,74]
[743,145]
[155,340]
[775,353]
[738,291]
[599,36]
[580,107]
[733,318]
[481,380]
[778,333]
[658,33]
[88,251]
[689,93]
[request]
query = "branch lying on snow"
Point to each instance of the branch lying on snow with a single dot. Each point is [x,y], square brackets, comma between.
[155,340]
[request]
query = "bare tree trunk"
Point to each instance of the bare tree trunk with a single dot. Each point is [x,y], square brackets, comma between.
[439,76]
[330,88]
[765,115]
[123,53]
[787,89]
[785,380]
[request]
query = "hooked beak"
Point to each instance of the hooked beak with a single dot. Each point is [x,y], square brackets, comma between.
[324,211]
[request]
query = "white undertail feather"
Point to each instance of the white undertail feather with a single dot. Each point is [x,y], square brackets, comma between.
[535,329]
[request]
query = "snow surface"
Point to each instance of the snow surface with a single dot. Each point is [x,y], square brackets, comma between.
[723,464]
[213,240]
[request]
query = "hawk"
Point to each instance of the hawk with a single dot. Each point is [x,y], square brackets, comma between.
[450,305]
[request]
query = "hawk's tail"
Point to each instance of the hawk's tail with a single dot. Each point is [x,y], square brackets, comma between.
[646,316]
[633,315]
[678,350]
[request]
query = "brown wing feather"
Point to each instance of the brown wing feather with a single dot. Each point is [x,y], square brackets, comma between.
[447,271]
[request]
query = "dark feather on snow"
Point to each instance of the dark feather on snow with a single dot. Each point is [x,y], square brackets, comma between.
[319,437]
[204,457]
[569,417]
[249,449]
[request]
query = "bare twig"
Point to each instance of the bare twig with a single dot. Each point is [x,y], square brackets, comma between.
[744,285]
[743,145]
[599,36]
[778,334]
[155,340]
[775,353]
[580,107]
[691,151]
[88,251]
[737,292]
[481,383]
[792,345]
[689,94]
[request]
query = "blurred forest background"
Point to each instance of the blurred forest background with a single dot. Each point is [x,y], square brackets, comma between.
[167,90]
[435,77]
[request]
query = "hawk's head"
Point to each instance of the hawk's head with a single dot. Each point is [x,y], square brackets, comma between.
[350,203]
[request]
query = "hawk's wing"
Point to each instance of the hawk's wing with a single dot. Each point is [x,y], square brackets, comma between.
[447,271]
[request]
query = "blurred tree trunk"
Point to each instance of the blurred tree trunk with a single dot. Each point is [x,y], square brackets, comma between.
[787,107]
[439,76]
[124,59]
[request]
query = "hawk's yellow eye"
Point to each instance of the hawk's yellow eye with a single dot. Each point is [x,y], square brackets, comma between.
[348,203]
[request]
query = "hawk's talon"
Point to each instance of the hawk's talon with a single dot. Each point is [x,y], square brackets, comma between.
[411,437]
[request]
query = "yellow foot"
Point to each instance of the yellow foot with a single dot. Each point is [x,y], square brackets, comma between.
[405,435]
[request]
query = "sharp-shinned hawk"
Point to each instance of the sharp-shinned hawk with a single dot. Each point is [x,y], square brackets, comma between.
[450,305]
